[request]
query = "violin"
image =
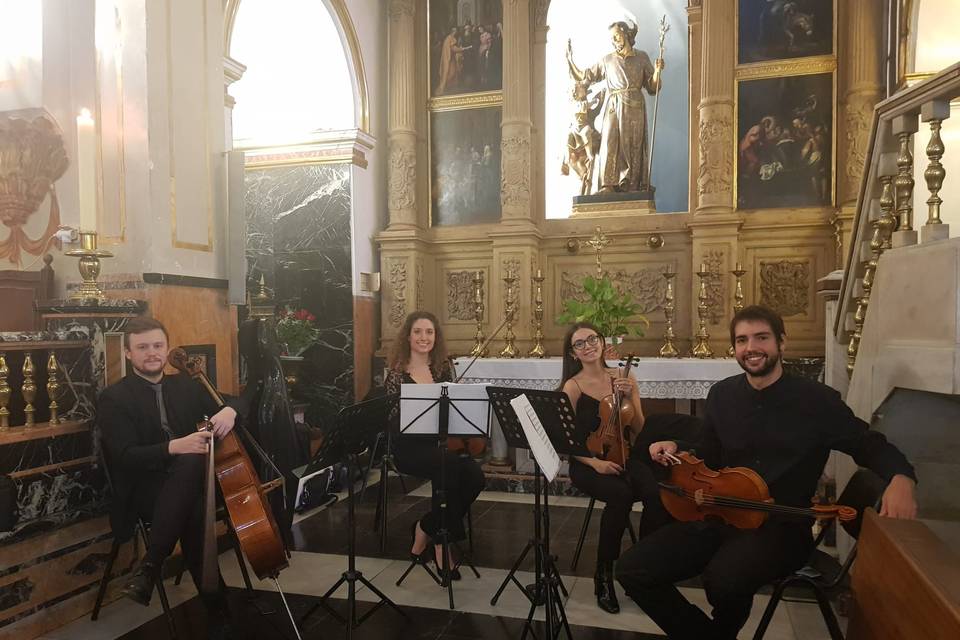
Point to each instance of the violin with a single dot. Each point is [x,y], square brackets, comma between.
[609,441]
[244,495]
[736,495]
[474,447]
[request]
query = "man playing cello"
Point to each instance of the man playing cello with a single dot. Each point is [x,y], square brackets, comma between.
[783,427]
[148,424]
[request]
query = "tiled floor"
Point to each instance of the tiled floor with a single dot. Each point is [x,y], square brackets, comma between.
[502,525]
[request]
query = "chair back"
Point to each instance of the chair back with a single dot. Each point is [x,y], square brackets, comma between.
[864,490]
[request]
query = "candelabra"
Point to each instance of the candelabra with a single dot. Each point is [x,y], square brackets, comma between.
[4,395]
[737,297]
[479,349]
[701,349]
[29,390]
[52,388]
[669,349]
[538,351]
[89,267]
[509,348]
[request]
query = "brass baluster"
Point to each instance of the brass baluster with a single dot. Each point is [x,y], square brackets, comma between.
[4,394]
[53,388]
[478,347]
[538,350]
[702,347]
[904,127]
[29,390]
[935,112]
[669,349]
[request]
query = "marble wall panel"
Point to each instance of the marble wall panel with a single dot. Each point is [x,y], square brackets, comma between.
[298,239]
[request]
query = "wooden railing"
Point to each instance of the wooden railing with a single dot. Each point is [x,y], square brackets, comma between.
[884,218]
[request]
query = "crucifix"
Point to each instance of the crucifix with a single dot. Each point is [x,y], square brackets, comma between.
[598,241]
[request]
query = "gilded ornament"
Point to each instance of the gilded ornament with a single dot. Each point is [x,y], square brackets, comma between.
[460,295]
[714,259]
[785,286]
[715,171]
[4,394]
[32,159]
[515,172]
[403,169]
[398,291]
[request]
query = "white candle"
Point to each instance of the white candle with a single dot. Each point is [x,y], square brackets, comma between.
[86,171]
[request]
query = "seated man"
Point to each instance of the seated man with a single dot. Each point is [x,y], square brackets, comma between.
[148,424]
[783,427]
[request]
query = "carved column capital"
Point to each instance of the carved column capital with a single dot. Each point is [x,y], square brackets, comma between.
[715,134]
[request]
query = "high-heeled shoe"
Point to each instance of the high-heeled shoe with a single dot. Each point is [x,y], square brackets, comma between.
[424,556]
[603,588]
[454,571]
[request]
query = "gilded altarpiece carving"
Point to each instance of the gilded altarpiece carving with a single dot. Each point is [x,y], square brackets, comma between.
[784,286]
[460,293]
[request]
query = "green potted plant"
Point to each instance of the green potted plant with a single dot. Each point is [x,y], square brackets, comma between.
[614,313]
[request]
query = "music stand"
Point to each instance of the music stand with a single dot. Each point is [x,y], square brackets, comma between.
[425,411]
[555,413]
[356,426]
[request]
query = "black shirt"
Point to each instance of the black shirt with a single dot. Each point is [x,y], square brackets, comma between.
[785,432]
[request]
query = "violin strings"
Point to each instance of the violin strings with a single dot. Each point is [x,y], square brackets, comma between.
[752,504]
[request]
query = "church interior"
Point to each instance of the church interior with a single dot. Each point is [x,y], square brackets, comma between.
[296,210]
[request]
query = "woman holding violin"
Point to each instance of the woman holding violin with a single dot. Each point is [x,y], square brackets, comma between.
[420,357]
[593,389]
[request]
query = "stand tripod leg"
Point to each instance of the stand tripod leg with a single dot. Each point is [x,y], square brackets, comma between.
[286,606]
[512,575]
[383,599]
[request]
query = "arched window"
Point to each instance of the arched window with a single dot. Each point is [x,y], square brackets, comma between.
[590,36]
[298,78]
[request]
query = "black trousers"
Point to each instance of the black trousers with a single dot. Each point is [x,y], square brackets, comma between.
[618,493]
[170,501]
[733,565]
[464,482]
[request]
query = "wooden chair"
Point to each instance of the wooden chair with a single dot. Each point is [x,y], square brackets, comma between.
[20,292]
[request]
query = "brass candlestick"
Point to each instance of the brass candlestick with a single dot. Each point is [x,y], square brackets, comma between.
[89,267]
[737,297]
[509,348]
[52,388]
[669,350]
[538,350]
[29,390]
[479,349]
[701,349]
[4,395]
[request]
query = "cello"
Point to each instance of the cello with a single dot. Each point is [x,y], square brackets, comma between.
[609,441]
[736,495]
[244,495]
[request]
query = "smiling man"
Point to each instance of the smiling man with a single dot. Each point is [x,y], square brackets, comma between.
[783,427]
[148,422]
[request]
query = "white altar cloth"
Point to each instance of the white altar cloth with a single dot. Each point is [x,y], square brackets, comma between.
[680,378]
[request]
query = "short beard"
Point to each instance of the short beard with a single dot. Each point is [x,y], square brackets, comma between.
[766,370]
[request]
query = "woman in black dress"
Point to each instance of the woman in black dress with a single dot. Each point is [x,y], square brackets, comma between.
[420,357]
[586,381]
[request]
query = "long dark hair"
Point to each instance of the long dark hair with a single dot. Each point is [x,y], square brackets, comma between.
[571,365]
[400,356]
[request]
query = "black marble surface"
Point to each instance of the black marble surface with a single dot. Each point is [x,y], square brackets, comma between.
[117,305]
[298,239]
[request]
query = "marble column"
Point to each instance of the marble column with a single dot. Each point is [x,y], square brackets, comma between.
[402,135]
[695,38]
[861,73]
[516,129]
[715,132]
[715,225]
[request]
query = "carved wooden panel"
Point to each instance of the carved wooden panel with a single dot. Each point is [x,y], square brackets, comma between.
[785,286]
[459,295]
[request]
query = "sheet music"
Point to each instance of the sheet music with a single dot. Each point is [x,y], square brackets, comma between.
[540,445]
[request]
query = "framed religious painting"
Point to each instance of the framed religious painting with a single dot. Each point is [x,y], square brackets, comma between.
[465,166]
[784,29]
[785,141]
[466,46]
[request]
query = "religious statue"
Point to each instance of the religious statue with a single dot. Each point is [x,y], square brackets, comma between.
[622,163]
[583,140]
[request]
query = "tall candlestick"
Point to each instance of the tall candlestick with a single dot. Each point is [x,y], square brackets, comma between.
[87,170]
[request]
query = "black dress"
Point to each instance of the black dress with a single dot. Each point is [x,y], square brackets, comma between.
[637,483]
[420,457]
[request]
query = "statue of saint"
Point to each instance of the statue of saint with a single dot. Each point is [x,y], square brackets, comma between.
[623,159]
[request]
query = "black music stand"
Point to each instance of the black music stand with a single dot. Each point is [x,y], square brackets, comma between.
[431,417]
[555,413]
[355,428]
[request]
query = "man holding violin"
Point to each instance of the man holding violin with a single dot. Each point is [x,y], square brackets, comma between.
[782,427]
[156,455]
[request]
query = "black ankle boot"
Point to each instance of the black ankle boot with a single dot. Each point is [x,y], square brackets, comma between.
[603,588]
[139,586]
